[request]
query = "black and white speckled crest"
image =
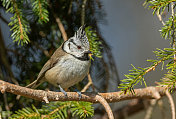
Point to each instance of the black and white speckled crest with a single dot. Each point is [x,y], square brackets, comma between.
[81,35]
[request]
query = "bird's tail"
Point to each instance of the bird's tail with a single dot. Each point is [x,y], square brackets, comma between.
[34,84]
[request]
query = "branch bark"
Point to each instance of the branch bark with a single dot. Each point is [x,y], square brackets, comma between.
[106,106]
[88,84]
[132,108]
[149,92]
[61,27]
[172,105]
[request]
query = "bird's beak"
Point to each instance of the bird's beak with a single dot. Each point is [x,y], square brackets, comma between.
[88,52]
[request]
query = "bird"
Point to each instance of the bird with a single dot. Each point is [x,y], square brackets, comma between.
[68,65]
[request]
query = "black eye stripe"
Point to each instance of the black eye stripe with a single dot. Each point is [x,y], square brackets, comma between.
[73,42]
[69,45]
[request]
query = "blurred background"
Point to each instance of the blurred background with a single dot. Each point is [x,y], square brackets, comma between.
[132,32]
[126,27]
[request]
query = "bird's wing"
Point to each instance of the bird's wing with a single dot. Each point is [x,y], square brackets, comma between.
[48,65]
[52,61]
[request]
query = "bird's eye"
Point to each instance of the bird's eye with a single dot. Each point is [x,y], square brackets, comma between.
[79,47]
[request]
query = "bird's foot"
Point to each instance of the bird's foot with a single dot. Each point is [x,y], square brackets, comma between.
[80,95]
[62,90]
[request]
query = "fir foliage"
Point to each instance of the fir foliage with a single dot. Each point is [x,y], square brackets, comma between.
[158,5]
[19,24]
[56,110]
[169,80]
[166,56]
[40,9]
[95,43]
[44,39]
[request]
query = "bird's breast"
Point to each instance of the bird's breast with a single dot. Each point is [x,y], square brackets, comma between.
[67,71]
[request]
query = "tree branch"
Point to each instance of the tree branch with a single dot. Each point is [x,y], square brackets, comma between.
[171,101]
[83,12]
[106,106]
[149,92]
[149,110]
[88,84]
[160,17]
[61,27]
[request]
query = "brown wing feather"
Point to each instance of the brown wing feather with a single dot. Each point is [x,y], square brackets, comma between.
[51,62]
[48,65]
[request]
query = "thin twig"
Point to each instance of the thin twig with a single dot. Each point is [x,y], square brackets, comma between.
[70,7]
[161,106]
[59,23]
[6,103]
[83,12]
[172,105]
[160,17]
[150,109]
[106,106]
[90,83]
[4,59]
[133,107]
[173,32]
[61,27]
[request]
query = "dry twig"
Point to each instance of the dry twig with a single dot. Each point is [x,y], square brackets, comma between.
[83,12]
[106,106]
[61,27]
[88,84]
[160,17]
[149,110]
[161,106]
[173,28]
[171,101]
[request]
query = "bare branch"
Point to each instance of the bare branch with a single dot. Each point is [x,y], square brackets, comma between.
[133,107]
[83,12]
[173,32]
[160,17]
[106,106]
[161,106]
[171,101]
[6,103]
[88,84]
[4,59]
[148,92]
[150,109]
[61,27]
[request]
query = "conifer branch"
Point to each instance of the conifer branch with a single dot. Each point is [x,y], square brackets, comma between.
[19,19]
[137,74]
[149,92]
[40,9]
[173,32]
